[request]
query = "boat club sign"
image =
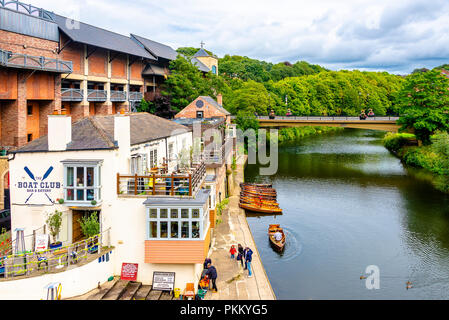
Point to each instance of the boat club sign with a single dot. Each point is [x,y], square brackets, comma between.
[38,189]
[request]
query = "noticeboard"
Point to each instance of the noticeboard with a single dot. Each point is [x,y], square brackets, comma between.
[41,243]
[129,271]
[164,281]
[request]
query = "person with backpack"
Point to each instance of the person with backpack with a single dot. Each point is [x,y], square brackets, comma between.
[248,260]
[212,275]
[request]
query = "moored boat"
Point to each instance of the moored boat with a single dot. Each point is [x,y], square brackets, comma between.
[261,209]
[272,229]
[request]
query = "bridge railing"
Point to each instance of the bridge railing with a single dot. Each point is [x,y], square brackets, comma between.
[339,118]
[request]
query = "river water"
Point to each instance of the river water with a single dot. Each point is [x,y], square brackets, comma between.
[348,204]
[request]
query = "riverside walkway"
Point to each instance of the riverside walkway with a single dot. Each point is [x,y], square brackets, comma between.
[233,282]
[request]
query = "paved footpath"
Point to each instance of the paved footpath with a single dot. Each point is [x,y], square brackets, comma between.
[233,282]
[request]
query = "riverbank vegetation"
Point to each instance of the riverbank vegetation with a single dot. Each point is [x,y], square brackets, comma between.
[433,157]
[251,86]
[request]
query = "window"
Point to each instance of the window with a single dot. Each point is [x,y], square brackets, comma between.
[153,158]
[175,223]
[171,151]
[82,183]
[30,110]
[29,137]
[199,114]
[214,69]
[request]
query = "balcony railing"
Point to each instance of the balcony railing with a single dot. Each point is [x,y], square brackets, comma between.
[218,156]
[135,96]
[24,61]
[68,94]
[118,95]
[97,95]
[27,8]
[184,184]
[36,263]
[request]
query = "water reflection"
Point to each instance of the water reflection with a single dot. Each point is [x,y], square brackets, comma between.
[348,204]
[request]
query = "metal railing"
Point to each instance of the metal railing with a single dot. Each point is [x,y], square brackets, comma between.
[72,94]
[219,155]
[41,262]
[117,95]
[24,61]
[28,9]
[97,95]
[337,118]
[185,184]
[135,96]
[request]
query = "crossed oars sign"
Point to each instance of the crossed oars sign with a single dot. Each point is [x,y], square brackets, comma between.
[31,175]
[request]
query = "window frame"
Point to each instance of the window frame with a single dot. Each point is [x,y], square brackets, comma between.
[201,220]
[85,188]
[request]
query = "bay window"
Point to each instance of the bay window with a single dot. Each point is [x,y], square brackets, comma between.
[176,223]
[82,181]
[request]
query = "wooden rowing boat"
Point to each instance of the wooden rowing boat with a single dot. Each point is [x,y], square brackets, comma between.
[260,185]
[262,209]
[255,200]
[278,245]
[257,196]
[257,192]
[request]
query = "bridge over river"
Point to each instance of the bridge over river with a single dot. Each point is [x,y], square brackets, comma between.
[372,123]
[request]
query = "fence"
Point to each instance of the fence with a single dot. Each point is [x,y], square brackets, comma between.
[185,184]
[36,263]
[18,60]
[338,118]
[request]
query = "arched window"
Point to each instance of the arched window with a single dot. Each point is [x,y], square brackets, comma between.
[214,69]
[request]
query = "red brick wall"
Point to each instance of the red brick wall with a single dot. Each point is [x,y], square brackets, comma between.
[98,63]
[35,47]
[118,67]
[209,111]
[74,52]
[136,70]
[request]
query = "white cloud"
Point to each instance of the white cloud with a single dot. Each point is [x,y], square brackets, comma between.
[365,34]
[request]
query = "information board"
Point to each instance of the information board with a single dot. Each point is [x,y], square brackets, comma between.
[41,242]
[164,281]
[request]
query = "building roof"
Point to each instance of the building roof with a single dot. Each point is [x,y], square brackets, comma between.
[200,199]
[101,38]
[97,133]
[201,53]
[215,104]
[201,66]
[157,49]
[154,70]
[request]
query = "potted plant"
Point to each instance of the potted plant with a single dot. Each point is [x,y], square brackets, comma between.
[90,226]
[54,222]
[60,200]
[93,202]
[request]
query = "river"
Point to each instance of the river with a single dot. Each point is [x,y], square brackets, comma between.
[348,204]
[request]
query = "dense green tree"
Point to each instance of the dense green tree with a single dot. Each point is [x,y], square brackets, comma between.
[424,104]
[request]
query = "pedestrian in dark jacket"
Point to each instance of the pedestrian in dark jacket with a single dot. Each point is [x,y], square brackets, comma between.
[248,260]
[244,255]
[212,274]
[240,255]
[206,262]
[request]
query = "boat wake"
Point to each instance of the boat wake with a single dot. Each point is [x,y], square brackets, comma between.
[293,247]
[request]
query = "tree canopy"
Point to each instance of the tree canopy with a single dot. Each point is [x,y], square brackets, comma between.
[423,101]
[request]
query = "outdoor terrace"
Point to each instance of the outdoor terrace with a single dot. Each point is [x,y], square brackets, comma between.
[175,184]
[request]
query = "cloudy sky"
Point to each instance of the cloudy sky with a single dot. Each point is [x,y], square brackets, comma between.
[392,35]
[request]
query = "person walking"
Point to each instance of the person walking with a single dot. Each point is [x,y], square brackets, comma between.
[240,255]
[212,275]
[248,260]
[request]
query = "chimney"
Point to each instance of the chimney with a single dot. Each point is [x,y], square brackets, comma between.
[220,99]
[122,131]
[59,132]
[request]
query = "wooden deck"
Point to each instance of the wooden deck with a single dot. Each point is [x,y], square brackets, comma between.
[124,290]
